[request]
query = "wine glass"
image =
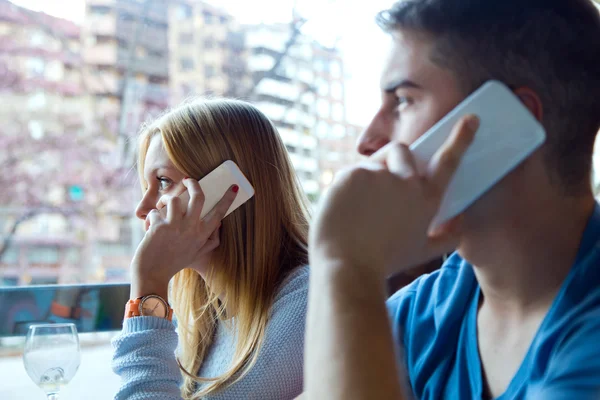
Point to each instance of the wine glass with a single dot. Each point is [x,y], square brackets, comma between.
[51,356]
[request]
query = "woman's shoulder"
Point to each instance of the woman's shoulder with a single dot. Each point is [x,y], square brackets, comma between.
[293,291]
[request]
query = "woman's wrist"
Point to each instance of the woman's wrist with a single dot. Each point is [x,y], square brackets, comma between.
[143,287]
[144,283]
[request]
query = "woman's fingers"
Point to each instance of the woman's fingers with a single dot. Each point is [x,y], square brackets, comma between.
[153,218]
[214,217]
[174,209]
[196,203]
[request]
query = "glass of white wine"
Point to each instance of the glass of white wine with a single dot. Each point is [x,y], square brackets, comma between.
[51,356]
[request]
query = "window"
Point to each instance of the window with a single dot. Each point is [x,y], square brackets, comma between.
[99,10]
[46,255]
[209,43]
[209,71]
[35,67]
[208,18]
[339,131]
[322,87]
[186,64]
[36,129]
[186,38]
[337,112]
[37,39]
[323,108]
[337,91]
[187,89]
[323,129]
[37,101]
[183,11]
[336,69]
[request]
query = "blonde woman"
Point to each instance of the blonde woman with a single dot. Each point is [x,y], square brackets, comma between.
[240,283]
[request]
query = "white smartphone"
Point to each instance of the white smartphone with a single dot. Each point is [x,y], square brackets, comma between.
[507,135]
[215,184]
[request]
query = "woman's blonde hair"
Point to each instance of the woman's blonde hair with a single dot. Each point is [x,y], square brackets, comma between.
[261,242]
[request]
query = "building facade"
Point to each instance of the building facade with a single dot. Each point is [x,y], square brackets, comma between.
[206,52]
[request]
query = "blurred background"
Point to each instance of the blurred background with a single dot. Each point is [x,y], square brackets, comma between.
[78,77]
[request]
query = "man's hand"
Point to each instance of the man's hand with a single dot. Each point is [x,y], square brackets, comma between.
[373,219]
[377,216]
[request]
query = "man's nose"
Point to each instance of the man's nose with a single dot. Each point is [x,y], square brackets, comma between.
[375,136]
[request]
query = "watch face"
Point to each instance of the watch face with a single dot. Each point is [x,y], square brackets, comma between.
[153,307]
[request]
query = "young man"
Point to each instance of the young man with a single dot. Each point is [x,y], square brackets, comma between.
[515,312]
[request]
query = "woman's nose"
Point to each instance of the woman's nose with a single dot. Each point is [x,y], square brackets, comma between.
[144,207]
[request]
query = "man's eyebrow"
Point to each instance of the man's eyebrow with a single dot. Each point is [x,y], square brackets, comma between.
[400,84]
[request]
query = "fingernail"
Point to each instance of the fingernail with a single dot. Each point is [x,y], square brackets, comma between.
[235,188]
[473,123]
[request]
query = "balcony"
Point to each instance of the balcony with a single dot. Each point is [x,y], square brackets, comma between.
[102,54]
[236,41]
[156,94]
[147,65]
[102,25]
[147,36]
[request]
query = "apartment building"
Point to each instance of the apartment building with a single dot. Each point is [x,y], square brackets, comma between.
[206,52]
[287,94]
[125,54]
[42,98]
[305,97]
[337,137]
[39,59]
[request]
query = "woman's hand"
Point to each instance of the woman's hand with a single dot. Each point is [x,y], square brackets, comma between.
[177,241]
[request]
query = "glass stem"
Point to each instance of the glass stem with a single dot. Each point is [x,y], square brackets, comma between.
[53,396]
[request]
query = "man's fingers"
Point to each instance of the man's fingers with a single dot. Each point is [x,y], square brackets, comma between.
[214,217]
[400,161]
[443,244]
[447,159]
[448,228]
[381,155]
[196,203]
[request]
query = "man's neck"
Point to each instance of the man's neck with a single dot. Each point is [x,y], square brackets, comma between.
[522,262]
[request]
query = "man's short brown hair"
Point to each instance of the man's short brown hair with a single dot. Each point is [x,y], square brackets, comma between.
[550,46]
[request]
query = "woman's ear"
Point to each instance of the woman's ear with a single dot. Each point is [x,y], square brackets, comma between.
[532,101]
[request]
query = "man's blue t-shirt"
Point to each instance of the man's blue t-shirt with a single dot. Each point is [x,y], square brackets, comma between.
[435,321]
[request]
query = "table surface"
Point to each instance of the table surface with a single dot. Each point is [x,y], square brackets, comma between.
[94,379]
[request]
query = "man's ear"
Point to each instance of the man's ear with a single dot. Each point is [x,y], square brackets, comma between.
[532,101]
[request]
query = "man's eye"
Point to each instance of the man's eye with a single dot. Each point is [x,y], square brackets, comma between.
[163,183]
[404,101]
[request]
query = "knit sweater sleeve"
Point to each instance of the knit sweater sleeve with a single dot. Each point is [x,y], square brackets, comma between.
[144,358]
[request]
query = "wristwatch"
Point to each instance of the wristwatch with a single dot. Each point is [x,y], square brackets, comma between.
[151,305]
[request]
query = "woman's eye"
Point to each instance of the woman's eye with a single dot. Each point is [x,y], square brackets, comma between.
[163,183]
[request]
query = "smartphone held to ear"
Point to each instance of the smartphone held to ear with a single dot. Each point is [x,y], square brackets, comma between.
[508,133]
[215,185]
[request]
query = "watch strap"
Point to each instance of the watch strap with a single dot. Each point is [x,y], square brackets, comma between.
[132,308]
